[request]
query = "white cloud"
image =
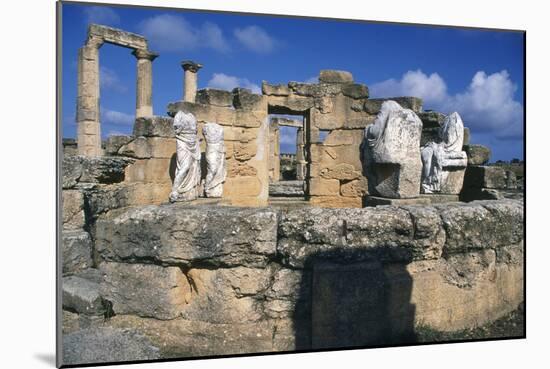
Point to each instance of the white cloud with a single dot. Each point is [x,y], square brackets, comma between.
[167,32]
[487,105]
[225,82]
[101,15]
[431,88]
[255,39]
[116,117]
[108,79]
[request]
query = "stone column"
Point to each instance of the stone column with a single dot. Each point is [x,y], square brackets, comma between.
[87,105]
[144,82]
[190,79]
[300,155]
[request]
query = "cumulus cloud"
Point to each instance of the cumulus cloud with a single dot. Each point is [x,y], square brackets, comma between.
[487,105]
[101,15]
[256,39]
[167,32]
[225,82]
[108,79]
[116,117]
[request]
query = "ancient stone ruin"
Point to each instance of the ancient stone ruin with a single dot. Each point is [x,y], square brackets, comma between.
[244,262]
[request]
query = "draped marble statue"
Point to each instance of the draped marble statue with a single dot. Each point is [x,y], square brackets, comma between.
[444,161]
[391,152]
[216,170]
[188,169]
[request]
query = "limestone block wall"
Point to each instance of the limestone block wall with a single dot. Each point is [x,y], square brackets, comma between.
[274,160]
[203,280]
[243,116]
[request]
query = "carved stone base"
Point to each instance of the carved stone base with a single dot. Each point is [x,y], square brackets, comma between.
[452,181]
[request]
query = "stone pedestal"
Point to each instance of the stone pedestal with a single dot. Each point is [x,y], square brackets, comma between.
[144,83]
[190,80]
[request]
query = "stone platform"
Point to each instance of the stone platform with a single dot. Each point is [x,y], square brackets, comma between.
[423,199]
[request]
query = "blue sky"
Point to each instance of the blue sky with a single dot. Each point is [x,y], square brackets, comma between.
[478,73]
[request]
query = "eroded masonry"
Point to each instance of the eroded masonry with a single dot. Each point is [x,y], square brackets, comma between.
[187,238]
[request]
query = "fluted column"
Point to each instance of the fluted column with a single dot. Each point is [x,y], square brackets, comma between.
[87,105]
[190,79]
[144,82]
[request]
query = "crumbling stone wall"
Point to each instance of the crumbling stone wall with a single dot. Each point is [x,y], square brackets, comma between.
[210,280]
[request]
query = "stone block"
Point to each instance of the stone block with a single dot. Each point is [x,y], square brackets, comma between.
[242,186]
[220,235]
[373,106]
[156,126]
[145,290]
[73,209]
[431,119]
[485,177]
[344,137]
[290,104]
[354,188]
[324,187]
[340,172]
[381,201]
[356,91]
[243,98]
[335,76]
[149,147]
[76,251]
[154,170]
[244,151]
[211,96]
[477,154]
[82,296]
[335,201]
[275,90]
[115,142]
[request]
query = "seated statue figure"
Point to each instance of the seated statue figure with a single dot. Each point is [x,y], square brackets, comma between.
[444,162]
[188,169]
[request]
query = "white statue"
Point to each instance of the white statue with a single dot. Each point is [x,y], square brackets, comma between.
[215,160]
[391,152]
[188,170]
[439,158]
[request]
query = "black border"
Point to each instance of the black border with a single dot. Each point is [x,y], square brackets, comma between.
[59,158]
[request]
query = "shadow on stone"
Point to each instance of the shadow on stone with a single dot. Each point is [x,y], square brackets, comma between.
[357,301]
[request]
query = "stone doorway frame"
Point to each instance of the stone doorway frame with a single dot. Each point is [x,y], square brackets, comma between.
[88,106]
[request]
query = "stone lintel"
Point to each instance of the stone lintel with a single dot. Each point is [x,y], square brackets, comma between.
[287,122]
[117,36]
[189,65]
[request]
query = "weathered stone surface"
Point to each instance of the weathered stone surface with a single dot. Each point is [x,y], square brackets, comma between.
[115,142]
[485,177]
[481,224]
[101,345]
[477,154]
[275,90]
[359,235]
[355,188]
[356,91]
[145,290]
[156,126]
[380,201]
[335,76]
[431,119]
[472,194]
[219,235]
[231,295]
[340,172]
[117,36]
[286,188]
[76,251]
[391,153]
[211,96]
[69,147]
[80,169]
[73,209]
[82,295]
[243,98]
[149,147]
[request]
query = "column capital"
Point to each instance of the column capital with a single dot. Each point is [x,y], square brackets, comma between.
[144,54]
[95,41]
[191,66]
